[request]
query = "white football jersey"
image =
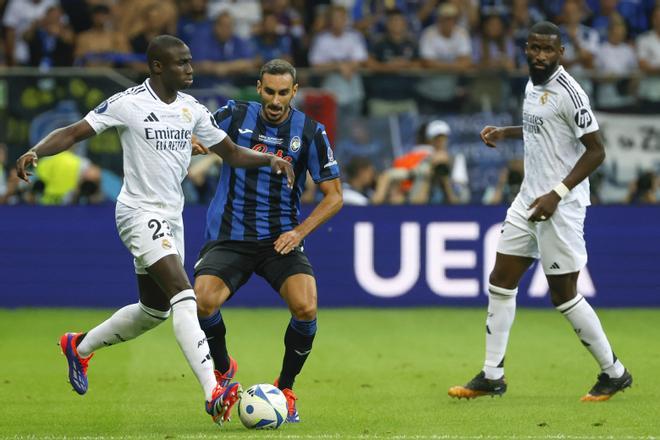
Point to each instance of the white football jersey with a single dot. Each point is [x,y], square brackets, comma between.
[156,139]
[556,115]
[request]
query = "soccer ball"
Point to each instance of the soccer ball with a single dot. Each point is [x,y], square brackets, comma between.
[262,406]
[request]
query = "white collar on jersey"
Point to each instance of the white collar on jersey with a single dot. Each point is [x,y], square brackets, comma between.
[155,96]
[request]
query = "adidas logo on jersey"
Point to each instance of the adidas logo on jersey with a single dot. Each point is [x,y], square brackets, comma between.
[555,266]
[151,118]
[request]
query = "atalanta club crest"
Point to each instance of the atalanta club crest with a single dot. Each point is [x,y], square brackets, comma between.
[295,144]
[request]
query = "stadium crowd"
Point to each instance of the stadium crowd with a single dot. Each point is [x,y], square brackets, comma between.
[374,59]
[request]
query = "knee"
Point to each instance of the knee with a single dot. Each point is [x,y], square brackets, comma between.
[560,297]
[304,311]
[209,299]
[500,279]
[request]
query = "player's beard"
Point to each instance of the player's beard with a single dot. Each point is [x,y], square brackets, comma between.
[539,76]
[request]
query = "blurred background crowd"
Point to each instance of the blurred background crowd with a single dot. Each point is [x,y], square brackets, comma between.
[403,87]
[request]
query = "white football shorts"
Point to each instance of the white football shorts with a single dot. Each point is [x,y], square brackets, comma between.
[558,242]
[148,235]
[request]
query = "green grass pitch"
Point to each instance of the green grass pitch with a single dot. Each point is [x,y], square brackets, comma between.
[372,374]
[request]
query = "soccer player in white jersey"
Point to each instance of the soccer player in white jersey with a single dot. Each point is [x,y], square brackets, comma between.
[155,124]
[563,147]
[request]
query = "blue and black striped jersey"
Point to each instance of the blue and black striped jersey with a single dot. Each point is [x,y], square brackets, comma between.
[255,204]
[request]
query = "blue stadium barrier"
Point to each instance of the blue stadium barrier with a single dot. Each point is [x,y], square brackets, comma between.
[373,257]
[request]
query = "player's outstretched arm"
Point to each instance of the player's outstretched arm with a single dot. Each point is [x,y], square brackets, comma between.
[328,206]
[55,142]
[238,157]
[490,134]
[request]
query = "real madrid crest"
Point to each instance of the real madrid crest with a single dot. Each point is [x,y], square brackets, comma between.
[544,98]
[186,115]
[294,145]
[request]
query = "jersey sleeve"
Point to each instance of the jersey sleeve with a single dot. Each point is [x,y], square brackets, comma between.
[223,115]
[321,161]
[576,111]
[109,113]
[206,128]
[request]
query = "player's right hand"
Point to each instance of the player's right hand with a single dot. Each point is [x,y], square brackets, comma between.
[491,134]
[278,166]
[29,159]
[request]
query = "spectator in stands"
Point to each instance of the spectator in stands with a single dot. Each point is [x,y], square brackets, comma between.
[130,15]
[636,13]
[361,140]
[469,12]
[225,53]
[523,16]
[396,51]
[648,54]
[270,42]
[493,47]
[392,56]
[155,21]
[13,190]
[603,10]
[290,22]
[444,47]
[615,62]
[69,179]
[194,26]
[19,17]
[581,42]
[51,42]
[359,183]
[3,172]
[434,181]
[508,184]
[246,14]
[643,189]
[339,52]
[102,45]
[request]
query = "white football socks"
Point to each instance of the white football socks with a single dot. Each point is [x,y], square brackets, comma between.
[501,312]
[126,323]
[588,328]
[192,339]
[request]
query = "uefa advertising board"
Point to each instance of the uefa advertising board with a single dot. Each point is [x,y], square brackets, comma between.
[383,256]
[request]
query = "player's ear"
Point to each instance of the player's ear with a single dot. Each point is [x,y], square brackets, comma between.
[259,86]
[156,66]
[294,90]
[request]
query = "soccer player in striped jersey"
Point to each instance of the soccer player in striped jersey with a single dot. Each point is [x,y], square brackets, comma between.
[155,124]
[252,223]
[563,147]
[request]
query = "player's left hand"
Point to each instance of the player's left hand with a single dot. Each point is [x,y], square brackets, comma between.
[279,166]
[288,241]
[543,207]
[198,148]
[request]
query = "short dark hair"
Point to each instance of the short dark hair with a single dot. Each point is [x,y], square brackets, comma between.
[546,28]
[158,45]
[391,12]
[278,67]
[357,164]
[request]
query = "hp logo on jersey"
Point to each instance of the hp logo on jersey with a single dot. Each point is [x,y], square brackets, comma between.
[583,118]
